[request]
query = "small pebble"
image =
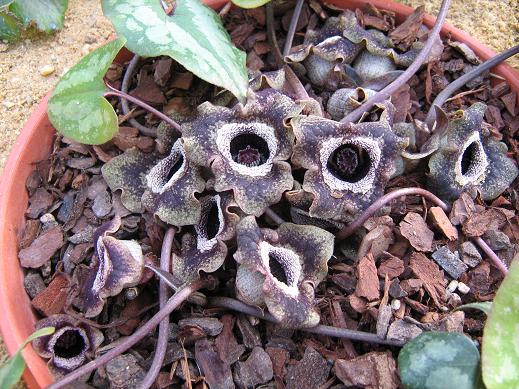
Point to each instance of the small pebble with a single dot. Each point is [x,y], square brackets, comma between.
[452,286]
[462,288]
[395,305]
[47,70]
[454,300]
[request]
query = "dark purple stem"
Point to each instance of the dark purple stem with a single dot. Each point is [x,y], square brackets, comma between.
[460,82]
[373,208]
[124,103]
[177,299]
[292,28]
[274,216]
[238,306]
[162,338]
[385,93]
[142,104]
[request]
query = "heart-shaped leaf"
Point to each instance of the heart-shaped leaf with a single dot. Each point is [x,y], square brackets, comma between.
[436,360]
[250,3]
[501,335]
[12,370]
[47,14]
[77,108]
[192,35]
[9,28]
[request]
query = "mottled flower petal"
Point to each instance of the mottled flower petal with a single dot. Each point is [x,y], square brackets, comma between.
[348,164]
[280,269]
[466,159]
[206,250]
[171,186]
[345,100]
[127,172]
[246,148]
[70,345]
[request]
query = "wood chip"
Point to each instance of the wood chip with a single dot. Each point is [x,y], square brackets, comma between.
[392,267]
[430,274]
[442,222]
[416,231]
[376,370]
[42,248]
[53,298]
[367,284]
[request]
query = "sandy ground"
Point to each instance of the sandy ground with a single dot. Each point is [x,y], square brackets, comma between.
[21,85]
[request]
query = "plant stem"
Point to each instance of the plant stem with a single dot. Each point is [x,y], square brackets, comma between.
[373,208]
[128,342]
[292,28]
[235,305]
[381,201]
[162,338]
[407,74]
[124,103]
[461,81]
[274,216]
[149,108]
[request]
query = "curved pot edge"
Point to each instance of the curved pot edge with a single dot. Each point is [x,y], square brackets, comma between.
[33,144]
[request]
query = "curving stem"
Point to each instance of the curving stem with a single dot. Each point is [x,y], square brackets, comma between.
[292,28]
[162,338]
[114,92]
[385,93]
[174,301]
[381,201]
[235,305]
[461,81]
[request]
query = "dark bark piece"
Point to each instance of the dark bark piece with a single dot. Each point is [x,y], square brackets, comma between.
[407,32]
[384,316]
[228,348]
[250,335]
[367,279]
[148,90]
[279,357]
[130,313]
[431,276]
[479,222]
[182,81]
[411,285]
[42,248]
[310,372]
[392,267]
[375,370]
[396,290]
[376,241]
[126,138]
[462,208]
[510,102]
[39,202]
[497,240]
[256,370]
[124,372]
[33,284]
[217,373]
[416,231]
[450,262]
[52,299]
[30,232]
[162,71]
[210,325]
[442,222]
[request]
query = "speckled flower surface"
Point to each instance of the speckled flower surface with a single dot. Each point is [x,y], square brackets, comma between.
[205,250]
[467,159]
[280,269]
[71,344]
[246,148]
[348,165]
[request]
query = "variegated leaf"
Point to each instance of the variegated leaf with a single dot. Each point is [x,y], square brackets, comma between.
[250,3]
[77,108]
[193,35]
[48,15]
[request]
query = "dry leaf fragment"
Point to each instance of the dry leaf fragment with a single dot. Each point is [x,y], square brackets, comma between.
[367,284]
[416,231]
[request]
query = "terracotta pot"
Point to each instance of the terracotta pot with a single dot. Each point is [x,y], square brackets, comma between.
[34,144]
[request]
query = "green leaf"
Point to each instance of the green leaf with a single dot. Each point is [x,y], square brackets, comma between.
[12,370]
[47,14]
[485,306]
[501,335]
[5,3]
[438,360]
[9,29]
[77,108]
[193,36]
[250,3]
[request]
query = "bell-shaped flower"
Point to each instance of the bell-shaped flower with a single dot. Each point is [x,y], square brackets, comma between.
[246,148]
[166,187]
[117,264]
[72,343]
[280,269]
[468,159]
[348,164]
[205,250]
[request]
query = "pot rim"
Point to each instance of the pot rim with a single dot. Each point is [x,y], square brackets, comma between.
[33,144]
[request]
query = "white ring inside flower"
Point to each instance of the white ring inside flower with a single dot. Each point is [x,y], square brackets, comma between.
[225,135]
[203,242]
[472,162]
[283,265]
[165,173]
[370,146]
[71,353]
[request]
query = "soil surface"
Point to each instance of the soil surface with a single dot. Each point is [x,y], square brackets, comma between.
[22,86]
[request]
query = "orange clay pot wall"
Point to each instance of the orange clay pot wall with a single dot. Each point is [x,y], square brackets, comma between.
[17,319]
